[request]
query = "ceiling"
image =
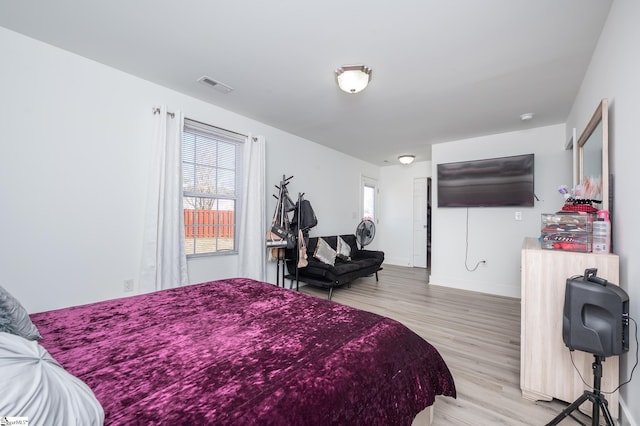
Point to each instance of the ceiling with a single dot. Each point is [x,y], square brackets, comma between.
[442,70]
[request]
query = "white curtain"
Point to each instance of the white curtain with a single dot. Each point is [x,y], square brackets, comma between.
[164,262]
[251,240]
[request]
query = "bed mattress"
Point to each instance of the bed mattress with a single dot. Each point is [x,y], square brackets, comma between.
[241,352]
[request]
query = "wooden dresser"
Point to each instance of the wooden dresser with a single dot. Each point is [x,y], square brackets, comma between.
[546,370]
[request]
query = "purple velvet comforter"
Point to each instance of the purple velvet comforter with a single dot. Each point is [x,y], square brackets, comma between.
[241,352]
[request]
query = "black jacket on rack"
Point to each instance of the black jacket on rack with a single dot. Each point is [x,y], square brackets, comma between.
[307,218]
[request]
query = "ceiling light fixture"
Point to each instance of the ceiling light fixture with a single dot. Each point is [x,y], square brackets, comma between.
[526,116]
[353,78]
[406,158]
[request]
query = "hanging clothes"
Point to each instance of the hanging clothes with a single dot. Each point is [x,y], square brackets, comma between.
[302,250]
[308,217]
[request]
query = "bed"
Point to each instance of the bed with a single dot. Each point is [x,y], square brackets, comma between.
[240,352]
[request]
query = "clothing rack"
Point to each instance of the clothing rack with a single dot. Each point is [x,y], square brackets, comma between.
[305,219]
[281,227]
[286,236]
[297,248]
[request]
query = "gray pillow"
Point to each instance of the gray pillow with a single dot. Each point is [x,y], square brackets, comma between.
[15,319]
[324,252]
[35,386]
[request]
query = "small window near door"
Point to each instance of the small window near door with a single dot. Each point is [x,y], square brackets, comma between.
[369,192]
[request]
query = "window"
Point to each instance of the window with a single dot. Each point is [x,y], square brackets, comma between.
[211,159]
[369,192]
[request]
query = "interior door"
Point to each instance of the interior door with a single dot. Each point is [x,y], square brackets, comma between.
[420,204]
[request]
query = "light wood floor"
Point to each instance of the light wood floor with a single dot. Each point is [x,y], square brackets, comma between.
[477,334]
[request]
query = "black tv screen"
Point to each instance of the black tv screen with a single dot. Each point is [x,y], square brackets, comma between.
[492,182]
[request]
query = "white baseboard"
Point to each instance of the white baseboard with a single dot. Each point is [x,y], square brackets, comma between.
[488,288]
[624,410]
[399,261]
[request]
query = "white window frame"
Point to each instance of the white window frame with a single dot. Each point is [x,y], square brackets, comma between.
[368,182]
[217,135]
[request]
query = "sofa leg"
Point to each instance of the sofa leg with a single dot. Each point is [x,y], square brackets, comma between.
[376,276]
[330,292]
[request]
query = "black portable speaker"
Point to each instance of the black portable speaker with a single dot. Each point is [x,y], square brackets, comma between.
[596,316]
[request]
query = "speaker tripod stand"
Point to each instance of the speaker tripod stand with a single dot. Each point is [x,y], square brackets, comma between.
[596,397]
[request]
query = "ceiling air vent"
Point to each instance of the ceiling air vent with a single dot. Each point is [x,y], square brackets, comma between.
[216,85]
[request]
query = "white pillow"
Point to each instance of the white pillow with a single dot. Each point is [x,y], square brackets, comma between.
[324,252]
[15,319]
[35,386]
[344,249]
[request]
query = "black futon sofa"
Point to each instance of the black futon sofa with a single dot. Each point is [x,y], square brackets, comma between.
[362,263]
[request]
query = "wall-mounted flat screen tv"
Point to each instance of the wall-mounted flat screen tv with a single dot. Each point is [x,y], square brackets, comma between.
[492,182]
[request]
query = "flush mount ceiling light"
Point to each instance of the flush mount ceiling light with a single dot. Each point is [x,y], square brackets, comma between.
[526,116]
[353,78]
[406,159]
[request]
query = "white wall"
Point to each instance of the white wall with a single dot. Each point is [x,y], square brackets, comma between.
[396,210]
[73,175]
[614,74]
[494,234]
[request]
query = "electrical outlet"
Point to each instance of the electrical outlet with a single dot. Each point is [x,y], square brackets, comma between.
[128,285]
[518,215]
